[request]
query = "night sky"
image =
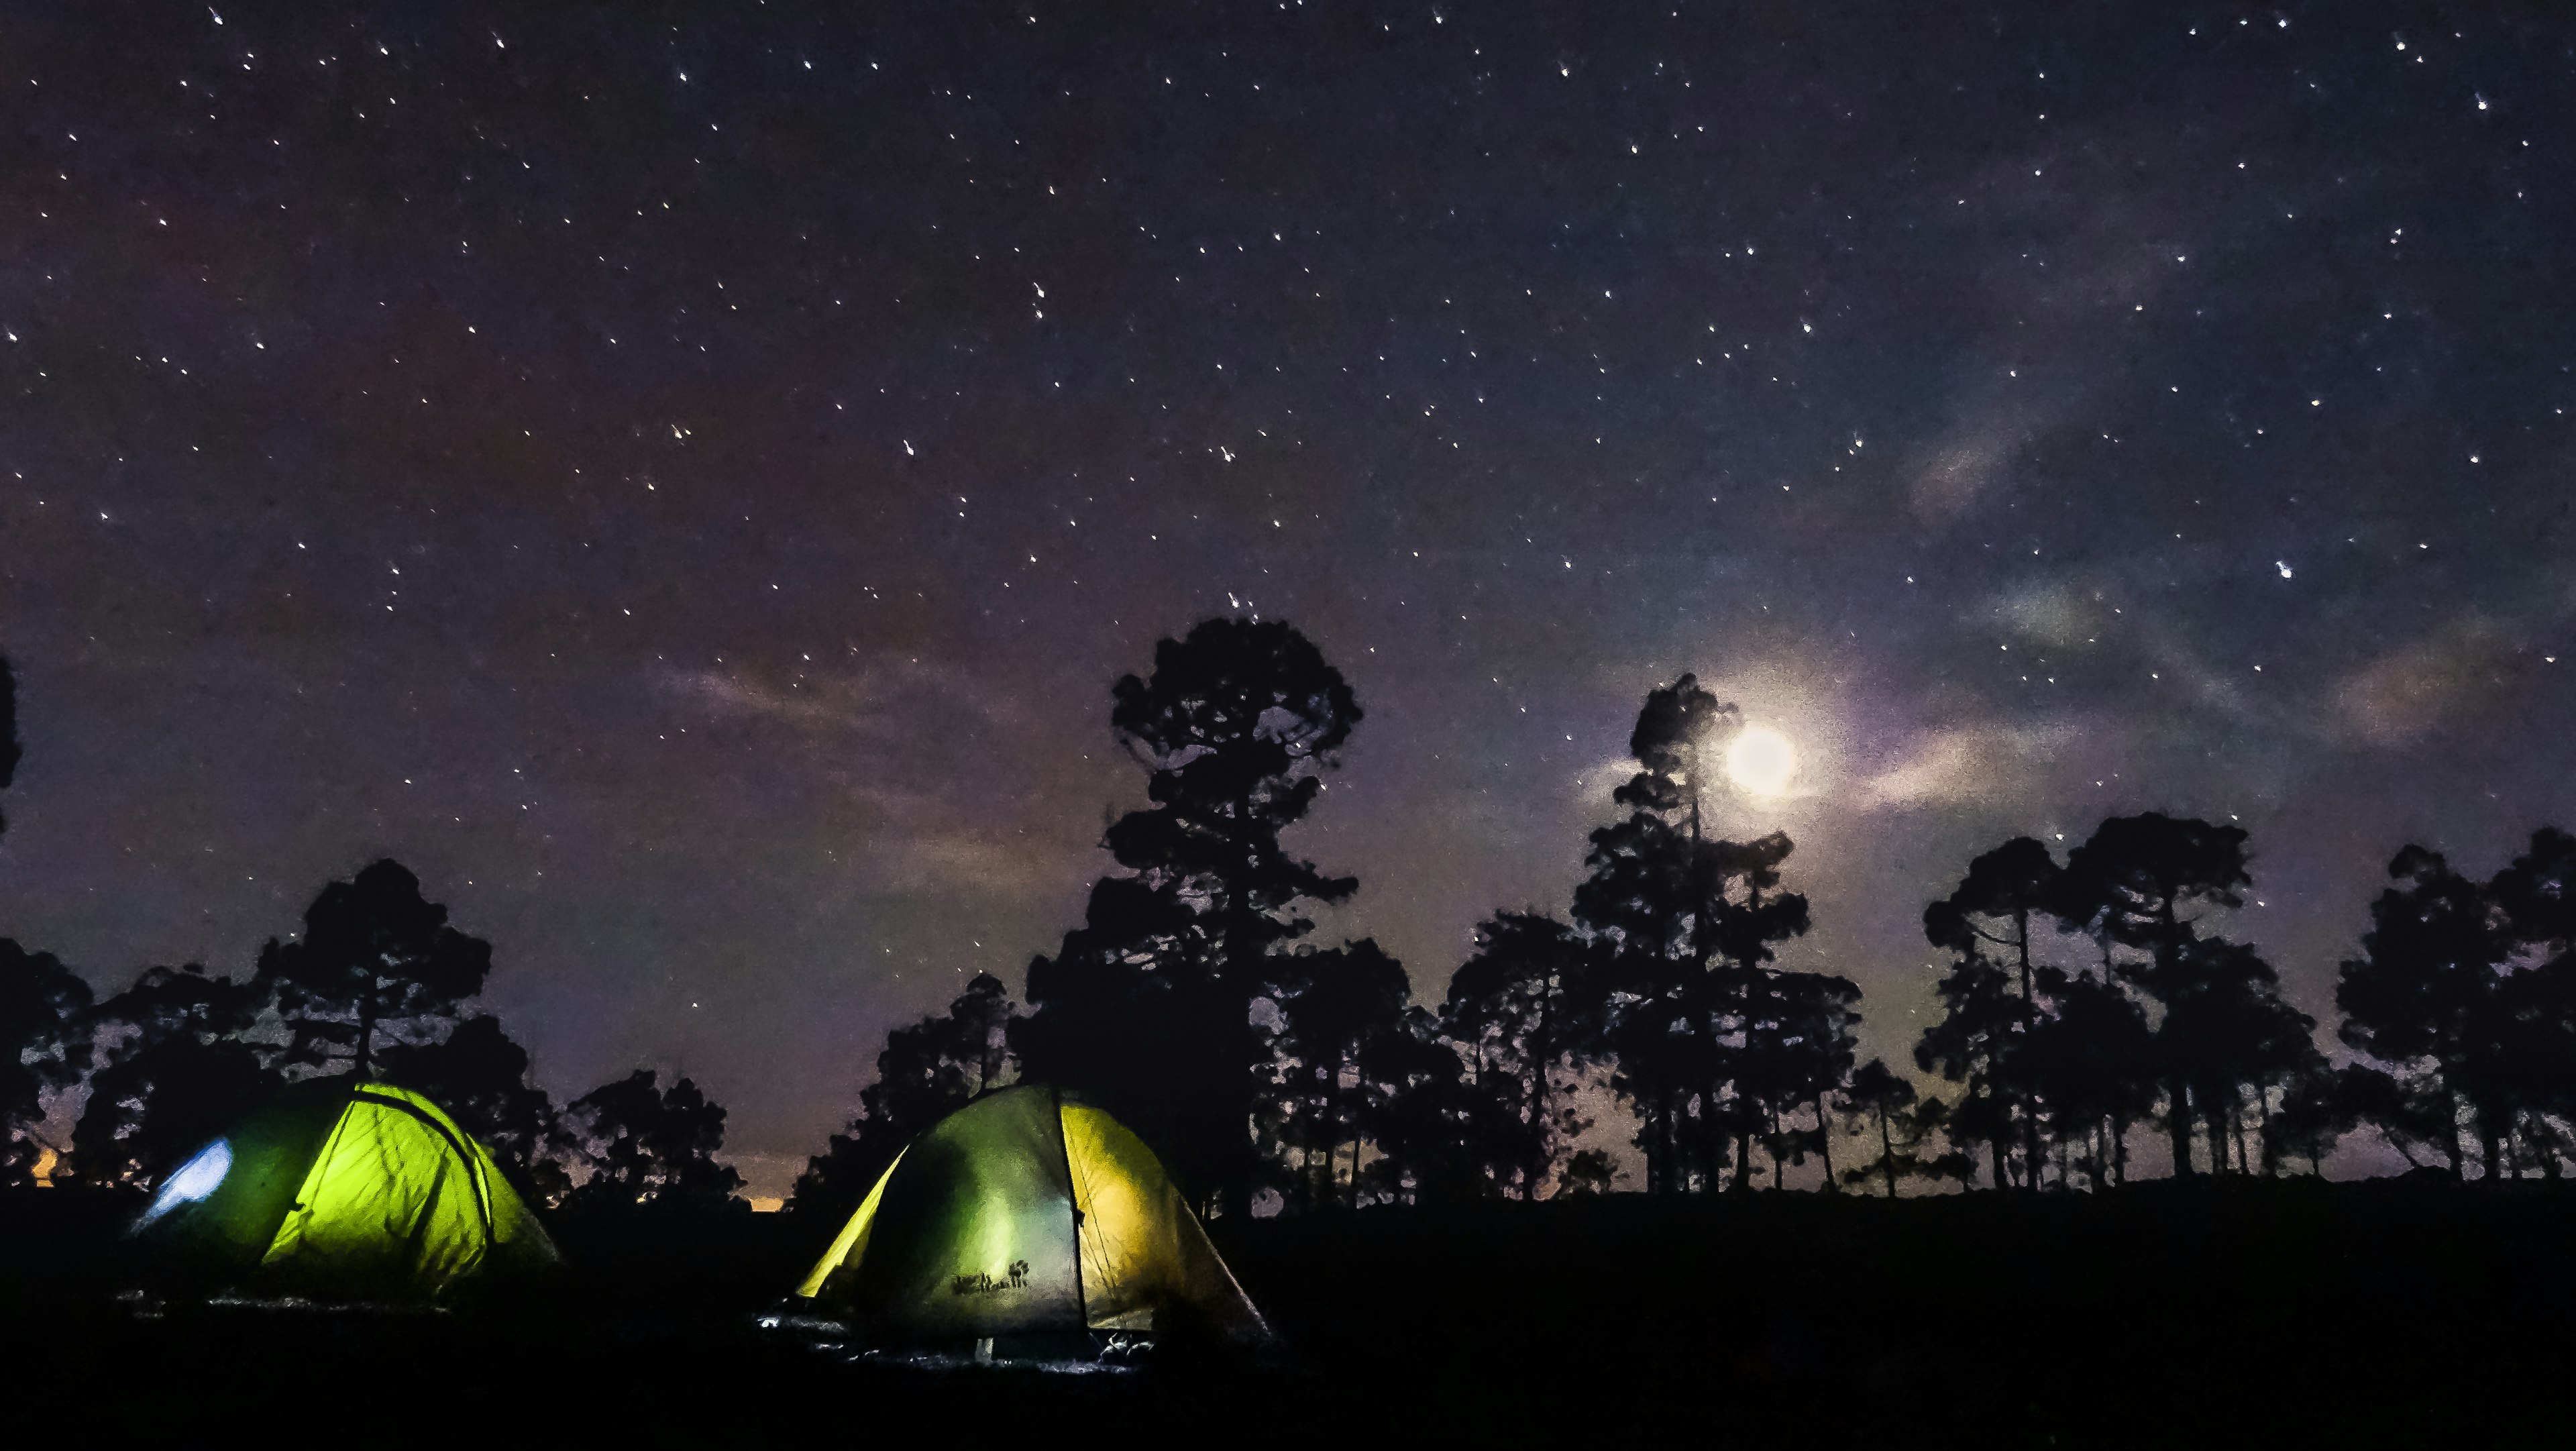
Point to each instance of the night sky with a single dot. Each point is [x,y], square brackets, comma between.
[684,479]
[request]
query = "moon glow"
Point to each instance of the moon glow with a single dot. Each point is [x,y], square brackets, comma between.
[1761,760]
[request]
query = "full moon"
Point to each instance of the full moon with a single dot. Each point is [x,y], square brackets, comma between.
[1761,760]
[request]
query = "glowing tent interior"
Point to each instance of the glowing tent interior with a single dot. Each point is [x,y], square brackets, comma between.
[1027,1214]
[344,1190]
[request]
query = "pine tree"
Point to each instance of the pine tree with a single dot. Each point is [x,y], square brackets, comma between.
[1879,1099]
[2132,881]
[1149,1005]
[647,1145]
[1989,916]
[1513,1011]
[376,962]
[1335,1006]
[1686,923]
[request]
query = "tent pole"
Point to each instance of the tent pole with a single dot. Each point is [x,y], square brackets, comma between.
[1073,1204]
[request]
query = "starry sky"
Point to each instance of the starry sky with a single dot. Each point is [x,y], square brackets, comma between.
[683,478]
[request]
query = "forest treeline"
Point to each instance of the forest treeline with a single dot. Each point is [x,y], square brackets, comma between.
[2089,1004]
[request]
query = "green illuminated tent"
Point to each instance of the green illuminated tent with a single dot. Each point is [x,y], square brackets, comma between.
[1025,1214]
[343,1190]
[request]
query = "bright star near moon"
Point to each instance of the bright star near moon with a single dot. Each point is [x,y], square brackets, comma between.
[1761,760]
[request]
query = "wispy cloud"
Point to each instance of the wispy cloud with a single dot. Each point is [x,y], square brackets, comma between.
[880,745]
[2406,694]
[1963,764]
[868,697]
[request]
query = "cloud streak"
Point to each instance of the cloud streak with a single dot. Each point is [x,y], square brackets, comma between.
[1956,765]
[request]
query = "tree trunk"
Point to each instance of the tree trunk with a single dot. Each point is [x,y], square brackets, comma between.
[1703,950]
[2178,1115]
[2029,1019]
[1240,954]
[1534,1171]
[1659,1144]
[1886,1151]
[1825,1144]
[1712,1139]
[1713,1125]
[1351,1123]
[367,1030]
[2178,1126]
[1542,1056]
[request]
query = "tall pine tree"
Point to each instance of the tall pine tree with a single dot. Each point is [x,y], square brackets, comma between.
[377,963]
[1149,1004]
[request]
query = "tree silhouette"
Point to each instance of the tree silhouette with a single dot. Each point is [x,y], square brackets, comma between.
[1798,1054]
[2226,1032]
[1586,1172]
[376,959]
[1967,1045]
[1513,1011]
[44,1042]
[1422,1113]
[646,1145]
[1880,1099]
[1989,916]
[1335,1006]
[1149,1004]
[2463,990]
[480,1076]
[1686,924]
[2313,1117]
[173,1073]
[2092,1060]
[1934,1117]
[2421,994]
[2536,1099]
[2131,882]
[927,1070]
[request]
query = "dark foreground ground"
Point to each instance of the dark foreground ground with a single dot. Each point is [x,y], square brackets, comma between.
[2280,1314]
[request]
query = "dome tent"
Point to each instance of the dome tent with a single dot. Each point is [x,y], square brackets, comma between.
[341,1189]
[1028,1216]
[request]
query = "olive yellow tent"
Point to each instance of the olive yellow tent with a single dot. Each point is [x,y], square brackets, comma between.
[1025,1214]
[344,1190]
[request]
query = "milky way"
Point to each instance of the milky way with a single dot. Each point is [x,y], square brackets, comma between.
[685,485]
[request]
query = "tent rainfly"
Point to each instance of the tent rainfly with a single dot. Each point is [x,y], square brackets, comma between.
[342,1190]
[1028,1214]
